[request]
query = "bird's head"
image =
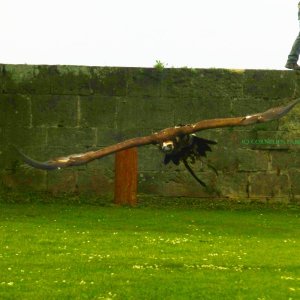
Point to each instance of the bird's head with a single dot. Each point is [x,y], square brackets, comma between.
[167,146]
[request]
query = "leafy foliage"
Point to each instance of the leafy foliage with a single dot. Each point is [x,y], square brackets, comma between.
[159,65]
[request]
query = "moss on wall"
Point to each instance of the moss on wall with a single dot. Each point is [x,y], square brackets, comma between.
[57,110]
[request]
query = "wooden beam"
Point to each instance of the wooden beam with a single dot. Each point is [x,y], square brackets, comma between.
[126,169]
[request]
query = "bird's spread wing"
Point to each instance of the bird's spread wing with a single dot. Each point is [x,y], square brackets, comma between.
[269,115]
[159,137]
[84,158]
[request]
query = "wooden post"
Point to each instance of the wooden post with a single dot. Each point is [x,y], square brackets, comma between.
[126,177]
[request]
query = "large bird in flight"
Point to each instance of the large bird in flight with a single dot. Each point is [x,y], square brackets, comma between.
[178,143]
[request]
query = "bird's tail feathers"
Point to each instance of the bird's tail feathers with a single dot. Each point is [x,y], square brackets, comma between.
[193,173]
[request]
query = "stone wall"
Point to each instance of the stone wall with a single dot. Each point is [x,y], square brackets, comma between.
[49,111]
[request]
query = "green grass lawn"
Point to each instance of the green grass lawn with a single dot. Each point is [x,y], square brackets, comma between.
[60,251]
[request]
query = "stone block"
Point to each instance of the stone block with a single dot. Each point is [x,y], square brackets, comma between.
[42,80]
[76,138]
[9,159]
[269,84]
[233,185]
[109,81]
[252,160]
[296,78]
[202,83]
[28,79]
[18,79]
[295,181]
[269,185]
[224,159]
[106,164]
[62,181]
[229,158]
[95,182]
[110,136]
[178,83]
[97,177]
[24,180]
[144,82]
[23,137]
[15,111]
[1,78]
[98,111]
[150,158]
[193,110]
[229,137]
[57,111]
[71,80]
[176,184]
[285,159]
[144,113]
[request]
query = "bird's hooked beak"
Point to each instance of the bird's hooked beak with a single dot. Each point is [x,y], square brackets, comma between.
[167,146]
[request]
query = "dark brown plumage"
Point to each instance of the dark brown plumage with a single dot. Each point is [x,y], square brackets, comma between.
[187,149]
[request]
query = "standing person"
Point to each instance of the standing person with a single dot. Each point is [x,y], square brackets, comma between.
[295,52]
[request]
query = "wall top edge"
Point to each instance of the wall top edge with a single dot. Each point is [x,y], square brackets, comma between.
[233,70]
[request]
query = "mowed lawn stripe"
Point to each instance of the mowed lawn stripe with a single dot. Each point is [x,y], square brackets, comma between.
[60,251]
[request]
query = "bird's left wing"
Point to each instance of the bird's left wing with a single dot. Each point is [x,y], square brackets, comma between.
[84,158]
